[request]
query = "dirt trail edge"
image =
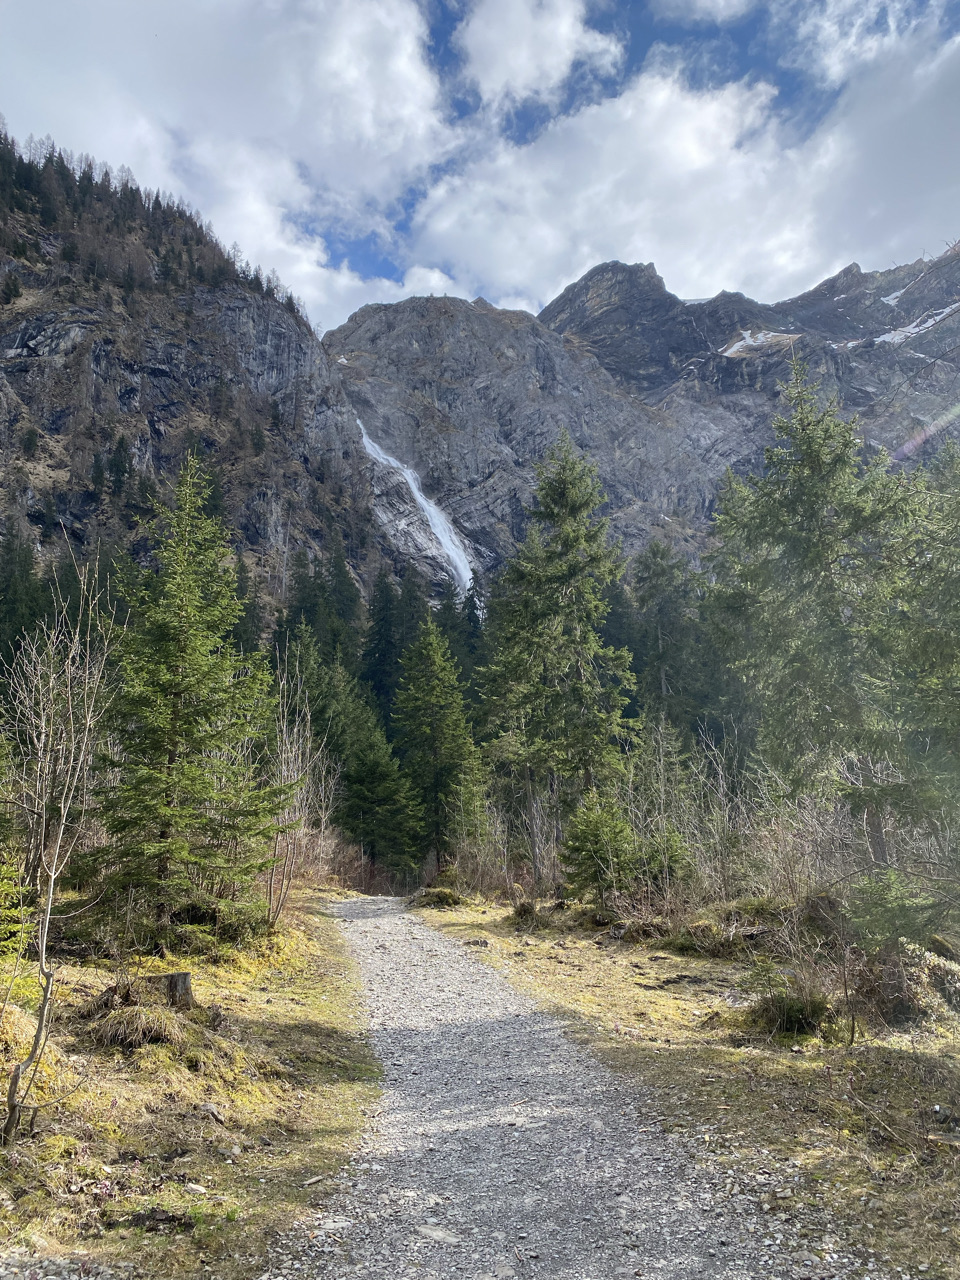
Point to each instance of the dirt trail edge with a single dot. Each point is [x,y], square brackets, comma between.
[502,1149]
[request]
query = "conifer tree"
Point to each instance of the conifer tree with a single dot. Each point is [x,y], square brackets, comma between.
[376,807]
[345,605]
[436,747]
[677,664]
[411,609]
[23,597]
[188,822]
[459,623]
[380,661]
[554,691]
[813,562]
[248,631]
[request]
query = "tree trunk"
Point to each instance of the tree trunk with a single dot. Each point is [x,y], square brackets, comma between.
[536,854]
[876,835]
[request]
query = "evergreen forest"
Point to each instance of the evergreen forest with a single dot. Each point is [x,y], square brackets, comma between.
[658,738]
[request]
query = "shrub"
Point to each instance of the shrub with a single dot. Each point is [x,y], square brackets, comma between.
[10,289]
[886,905]
[601,852]
[662,857]
[526,917]
[900,982]
[438,897]
[787,1001]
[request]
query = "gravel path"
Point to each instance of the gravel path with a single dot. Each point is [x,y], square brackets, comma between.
[503,1150]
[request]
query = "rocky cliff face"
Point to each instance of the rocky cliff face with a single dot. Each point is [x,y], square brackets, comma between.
[886,344]
[472,397]
[664,395]
[231,373]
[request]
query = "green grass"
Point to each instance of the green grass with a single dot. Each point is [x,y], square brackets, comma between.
[288,1069]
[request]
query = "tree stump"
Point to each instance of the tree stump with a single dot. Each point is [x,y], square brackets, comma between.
[177,988]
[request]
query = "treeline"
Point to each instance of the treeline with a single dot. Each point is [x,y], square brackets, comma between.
[99,228]
[775,723]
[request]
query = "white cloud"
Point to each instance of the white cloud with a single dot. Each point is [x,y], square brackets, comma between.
[712,186]
[287,122]
[894,188]
[698,11]
[518,49]
[693,179]
[833,38]
[324,110]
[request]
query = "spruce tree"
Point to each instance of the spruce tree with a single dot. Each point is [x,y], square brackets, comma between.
[412,608]
[814,559]
[679,672]
[459,622]
[23,598]
[248,631]
[346,606]
[554,692]
[380,661]
[376,807]
[436,746]
[189,824]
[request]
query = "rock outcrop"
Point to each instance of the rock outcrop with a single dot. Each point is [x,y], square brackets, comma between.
[664,395]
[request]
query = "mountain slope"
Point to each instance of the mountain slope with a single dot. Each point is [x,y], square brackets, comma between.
[128,336]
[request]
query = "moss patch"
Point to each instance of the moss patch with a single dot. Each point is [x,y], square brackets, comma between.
[249,1105]
[848,1124]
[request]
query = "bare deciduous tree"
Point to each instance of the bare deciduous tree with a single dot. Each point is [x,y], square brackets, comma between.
[311,777]
[58,699]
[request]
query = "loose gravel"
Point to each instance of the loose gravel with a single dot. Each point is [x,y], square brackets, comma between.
[502,1149]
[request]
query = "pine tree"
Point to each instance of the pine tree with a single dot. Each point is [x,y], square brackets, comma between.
[436,747]
[923,640]
[376,807]
[188,822]
[412,608]
[554,691]
[345,609]
[679,672]
[248,631]
[459,623]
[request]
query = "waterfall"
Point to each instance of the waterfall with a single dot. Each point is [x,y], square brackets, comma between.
[442,527]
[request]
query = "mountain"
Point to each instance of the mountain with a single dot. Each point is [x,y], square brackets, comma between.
[412,432]
[663,394]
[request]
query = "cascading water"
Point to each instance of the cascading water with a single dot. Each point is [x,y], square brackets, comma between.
[451,544]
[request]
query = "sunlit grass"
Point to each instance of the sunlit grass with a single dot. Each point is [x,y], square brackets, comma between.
[288,1069]
[849,1123]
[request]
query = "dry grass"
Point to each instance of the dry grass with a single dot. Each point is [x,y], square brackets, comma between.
[287,1069]
[850,1122]
[134,1026]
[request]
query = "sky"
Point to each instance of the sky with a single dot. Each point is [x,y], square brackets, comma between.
[368,150]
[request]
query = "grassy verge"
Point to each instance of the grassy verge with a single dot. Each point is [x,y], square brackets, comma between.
[183,1158]
[843,1128]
